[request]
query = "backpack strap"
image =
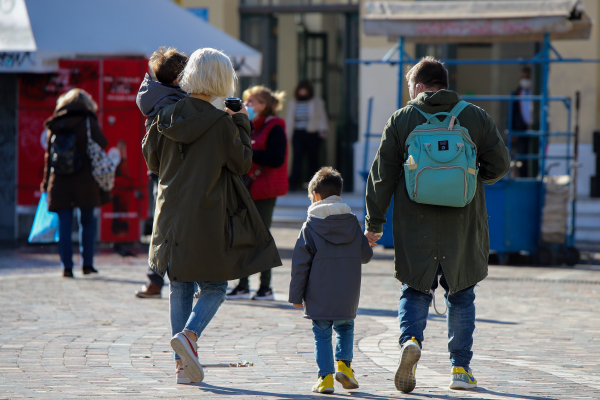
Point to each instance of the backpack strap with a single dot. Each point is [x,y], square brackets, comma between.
[461,105]
[423,113]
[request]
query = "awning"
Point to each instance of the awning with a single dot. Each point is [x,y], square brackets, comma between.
[105,28]
[15,30]
[477,21]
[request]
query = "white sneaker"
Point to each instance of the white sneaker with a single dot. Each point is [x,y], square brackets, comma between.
[187,351]
[181,376]
[405,380]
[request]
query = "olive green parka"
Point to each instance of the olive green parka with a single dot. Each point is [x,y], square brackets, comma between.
[206,226]
[426,236]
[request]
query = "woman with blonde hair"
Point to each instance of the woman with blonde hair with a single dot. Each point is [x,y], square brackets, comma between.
[207,229]
[267,179]
[68,179]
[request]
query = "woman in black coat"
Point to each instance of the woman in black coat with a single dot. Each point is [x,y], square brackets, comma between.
[69,181]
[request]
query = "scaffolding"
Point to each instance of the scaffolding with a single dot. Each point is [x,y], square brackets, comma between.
[505,237]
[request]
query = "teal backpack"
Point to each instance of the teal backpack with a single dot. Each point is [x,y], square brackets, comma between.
[440,165]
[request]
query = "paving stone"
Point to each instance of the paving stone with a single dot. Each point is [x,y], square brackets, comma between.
[538,336]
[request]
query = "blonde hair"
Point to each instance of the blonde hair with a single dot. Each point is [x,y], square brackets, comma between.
[75,96]
[273,100]
[209,72]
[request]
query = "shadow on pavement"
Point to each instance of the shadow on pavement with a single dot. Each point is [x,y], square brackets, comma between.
[101,278]
[263,394]
[484,391]
[373,312]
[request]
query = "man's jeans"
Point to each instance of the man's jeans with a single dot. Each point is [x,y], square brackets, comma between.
[413,309]
[343,346]
[87,235]
[181,299]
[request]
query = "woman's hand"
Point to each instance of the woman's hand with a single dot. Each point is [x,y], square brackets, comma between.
[298,305]
[242,110]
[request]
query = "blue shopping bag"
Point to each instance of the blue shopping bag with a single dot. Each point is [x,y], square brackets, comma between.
[45,224]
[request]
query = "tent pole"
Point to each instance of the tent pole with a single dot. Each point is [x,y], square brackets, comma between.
[400,70]
[545,53]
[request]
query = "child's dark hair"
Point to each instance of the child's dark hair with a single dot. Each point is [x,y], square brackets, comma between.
[167,64]
[327,182]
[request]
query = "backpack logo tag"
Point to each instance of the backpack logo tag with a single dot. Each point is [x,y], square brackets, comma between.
[442,145]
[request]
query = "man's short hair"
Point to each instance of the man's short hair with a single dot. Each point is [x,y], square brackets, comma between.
[526,70]
[327,182]
[429,72]
[167,64]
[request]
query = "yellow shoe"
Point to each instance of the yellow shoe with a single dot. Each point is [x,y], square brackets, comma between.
[462,379]
[345,376]
[324,385]
[405,380]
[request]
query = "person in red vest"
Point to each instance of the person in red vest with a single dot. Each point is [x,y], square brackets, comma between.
[267,179]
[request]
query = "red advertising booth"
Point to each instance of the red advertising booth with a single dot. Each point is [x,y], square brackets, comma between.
[113,83]
[50,47]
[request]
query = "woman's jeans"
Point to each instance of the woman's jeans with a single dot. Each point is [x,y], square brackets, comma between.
[413,310]
[343,345]
[87,235]
[265,209]
[181,299]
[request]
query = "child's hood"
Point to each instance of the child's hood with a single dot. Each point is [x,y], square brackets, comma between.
[152,96]
[333,220]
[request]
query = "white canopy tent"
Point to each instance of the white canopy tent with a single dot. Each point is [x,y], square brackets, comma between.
[105,28]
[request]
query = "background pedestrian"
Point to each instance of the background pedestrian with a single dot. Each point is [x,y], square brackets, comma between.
[68,178]
[267,179]
[307,125]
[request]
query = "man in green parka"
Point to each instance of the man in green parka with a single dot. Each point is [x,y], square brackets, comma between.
[429,240]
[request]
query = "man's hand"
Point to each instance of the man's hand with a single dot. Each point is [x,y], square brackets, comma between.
[298,305]
[373,238]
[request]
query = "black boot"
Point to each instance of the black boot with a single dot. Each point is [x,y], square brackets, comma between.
[88,269]
[68,273]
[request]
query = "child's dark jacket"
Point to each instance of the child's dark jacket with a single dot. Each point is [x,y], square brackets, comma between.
[327,262]
[154,96]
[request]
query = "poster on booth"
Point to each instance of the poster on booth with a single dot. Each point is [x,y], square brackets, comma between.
[113,84]
[123,126]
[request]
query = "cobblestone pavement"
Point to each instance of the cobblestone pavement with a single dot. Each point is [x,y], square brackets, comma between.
[538,336]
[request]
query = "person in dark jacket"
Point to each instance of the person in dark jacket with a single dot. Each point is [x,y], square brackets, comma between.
[166,64]
[77,189]
[326,272]
[522,120]
[267,179]
[307,125]
[207,229]
[433,240]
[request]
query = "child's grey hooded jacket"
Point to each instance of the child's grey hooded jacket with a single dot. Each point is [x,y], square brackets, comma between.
[327,262]
[154,96]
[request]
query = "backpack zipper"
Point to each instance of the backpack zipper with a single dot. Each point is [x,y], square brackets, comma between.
[437,130]
[424,168]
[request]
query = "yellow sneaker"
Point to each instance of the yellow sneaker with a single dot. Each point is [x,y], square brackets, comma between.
[462,379]
[324,385]
[407,367]
[345,376]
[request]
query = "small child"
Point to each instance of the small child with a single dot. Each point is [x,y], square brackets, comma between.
[166,65]
[326,272]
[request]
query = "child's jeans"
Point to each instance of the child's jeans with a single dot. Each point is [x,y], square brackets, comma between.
[343,346]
